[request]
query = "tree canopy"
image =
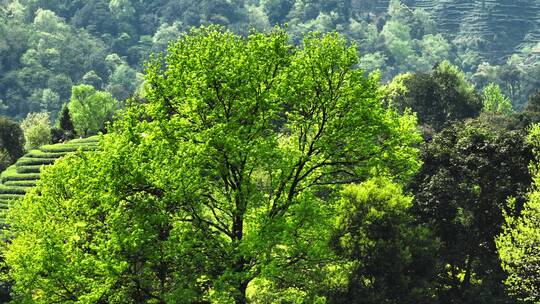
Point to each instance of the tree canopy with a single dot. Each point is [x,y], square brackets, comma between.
[393,259]
[11,142]
[469,170]
[518,243]
[90,109]
[221,185]
[440,97]
[36,129]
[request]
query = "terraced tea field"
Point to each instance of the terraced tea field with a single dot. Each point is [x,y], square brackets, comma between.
[23,175]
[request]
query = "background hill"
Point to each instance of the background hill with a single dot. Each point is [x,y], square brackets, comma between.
[48,46]
[494,28]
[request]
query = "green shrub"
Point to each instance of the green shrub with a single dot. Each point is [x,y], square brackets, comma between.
[30,161]
[6,197]
[41,154]
[19,177]
[29,169]
[22,183]
[91,139]
[12,190]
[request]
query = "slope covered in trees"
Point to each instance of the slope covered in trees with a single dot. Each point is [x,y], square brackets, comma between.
[495,29]
[46,47]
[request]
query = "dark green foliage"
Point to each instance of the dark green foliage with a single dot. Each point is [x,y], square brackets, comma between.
[11,142]
[57,135]
[65,123]
[65,129]
[439,97]
[394,258]
[533,105]
[277,10]
[470,169]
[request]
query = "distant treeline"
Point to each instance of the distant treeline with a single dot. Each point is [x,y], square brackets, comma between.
[46,47]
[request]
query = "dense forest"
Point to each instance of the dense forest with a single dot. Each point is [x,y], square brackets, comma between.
[49,46]
[270,151]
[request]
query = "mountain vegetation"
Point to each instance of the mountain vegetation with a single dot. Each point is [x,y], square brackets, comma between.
[269,151]
[49,46]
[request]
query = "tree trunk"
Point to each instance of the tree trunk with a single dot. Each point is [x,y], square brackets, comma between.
[241,296]
[467,279]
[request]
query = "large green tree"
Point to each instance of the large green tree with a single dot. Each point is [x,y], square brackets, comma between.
[221,186]
[11,142]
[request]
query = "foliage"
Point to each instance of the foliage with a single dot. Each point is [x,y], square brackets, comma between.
[49,56]
[442,96]
[36,129]
[393,259]
[11,142]
[221,185]
[533,105]
[90,109]
[469,170]
[518,242]
[495,101]
[49,46]
[65,129]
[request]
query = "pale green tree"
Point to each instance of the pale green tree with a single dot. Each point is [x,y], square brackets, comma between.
[434,49]
[398,40]
[122,9]
[36,129]
[166,34]
[495,101]
[90,109]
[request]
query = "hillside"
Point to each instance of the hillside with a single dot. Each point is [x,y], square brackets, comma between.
[494,28]
[47,47]
[24,174]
